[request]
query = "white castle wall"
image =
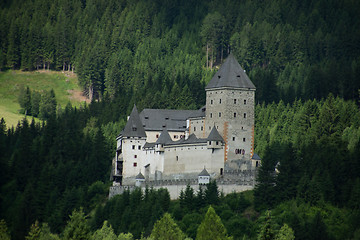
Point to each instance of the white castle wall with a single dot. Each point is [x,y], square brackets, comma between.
[192,159]
[174,190]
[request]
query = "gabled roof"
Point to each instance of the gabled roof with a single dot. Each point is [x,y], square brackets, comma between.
[172,120]
[256,157]
[192,139]
[204,173]
[230,74]
[164,138]
[215,135]
[140,176]
[134,126]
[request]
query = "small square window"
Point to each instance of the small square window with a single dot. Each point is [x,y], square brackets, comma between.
[244,140]
[135,164]
[157,135]
[135,156]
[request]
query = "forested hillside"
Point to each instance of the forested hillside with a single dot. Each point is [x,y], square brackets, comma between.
[303,57]
[140,49]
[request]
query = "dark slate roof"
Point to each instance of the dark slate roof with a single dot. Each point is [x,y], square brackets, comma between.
[140,176]
[204,173]
[134,126]
[190,140]
[215,135]
[230,74]
[172,120]
[149,145]
[256,157]
[164,138]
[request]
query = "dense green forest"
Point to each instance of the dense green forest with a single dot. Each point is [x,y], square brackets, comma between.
[149,51]
[303,57]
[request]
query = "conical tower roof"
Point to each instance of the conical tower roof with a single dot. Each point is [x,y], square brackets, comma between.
[164,138]
[140,176]
[204,173]
[231,75]
[134,126]
[215,135]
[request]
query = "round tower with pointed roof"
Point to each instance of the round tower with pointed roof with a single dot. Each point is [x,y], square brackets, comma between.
[230,103]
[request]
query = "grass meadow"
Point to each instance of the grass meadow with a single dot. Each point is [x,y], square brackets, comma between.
[64,84]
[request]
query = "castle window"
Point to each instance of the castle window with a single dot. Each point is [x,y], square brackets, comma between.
[133,146]
[175,136]
[139,147]
[244,140]
[244,101]
[134,129]
[217,143]
[211,101]
[244,115]
[146,117]
[219,114]
[209,142]
[234,101]
[210,115]
[135,156]
[135,164]
[233,138]
[157,135]
[202,128]
[177,158]
[220,101]
[194,129]
[234,115]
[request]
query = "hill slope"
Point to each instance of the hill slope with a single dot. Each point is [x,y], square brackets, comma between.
[65,86]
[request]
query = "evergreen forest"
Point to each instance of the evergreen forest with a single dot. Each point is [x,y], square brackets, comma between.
[303,57]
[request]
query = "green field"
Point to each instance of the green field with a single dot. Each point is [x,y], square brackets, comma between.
[65,86]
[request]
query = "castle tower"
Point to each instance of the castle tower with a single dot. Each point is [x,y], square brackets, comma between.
[129,154]
[230,103]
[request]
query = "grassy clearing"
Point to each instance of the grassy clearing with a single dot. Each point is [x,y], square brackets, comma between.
[65,86]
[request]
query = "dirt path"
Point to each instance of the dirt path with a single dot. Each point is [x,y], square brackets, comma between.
[78,96]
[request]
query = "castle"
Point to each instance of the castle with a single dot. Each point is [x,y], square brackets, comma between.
[164,147]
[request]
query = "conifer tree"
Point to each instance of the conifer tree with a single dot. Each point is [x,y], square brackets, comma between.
[77,227]
[4,232]
[166,228]
[211,228]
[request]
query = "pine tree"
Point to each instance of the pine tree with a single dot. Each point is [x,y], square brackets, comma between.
[285,233]
[166,228]
[4,232]
[77,227]
[105,233]
[211,228]
[35,232]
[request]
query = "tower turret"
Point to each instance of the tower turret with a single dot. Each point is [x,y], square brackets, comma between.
[230,102]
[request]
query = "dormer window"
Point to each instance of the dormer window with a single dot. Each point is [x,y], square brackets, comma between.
[167,118]
[146,117]
[134,129]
